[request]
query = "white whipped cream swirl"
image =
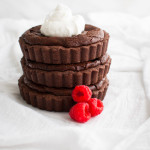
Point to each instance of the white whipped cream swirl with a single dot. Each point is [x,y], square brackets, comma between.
[61,23]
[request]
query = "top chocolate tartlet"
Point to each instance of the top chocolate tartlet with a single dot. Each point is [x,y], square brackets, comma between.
[89,45]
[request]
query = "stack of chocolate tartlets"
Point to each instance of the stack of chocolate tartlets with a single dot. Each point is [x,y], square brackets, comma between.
[53,66]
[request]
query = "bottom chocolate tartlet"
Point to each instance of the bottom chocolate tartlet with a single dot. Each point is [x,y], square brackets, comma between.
[55,99]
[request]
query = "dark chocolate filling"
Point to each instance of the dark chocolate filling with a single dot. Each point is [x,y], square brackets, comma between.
[61,91]
[69,67]
[90,35]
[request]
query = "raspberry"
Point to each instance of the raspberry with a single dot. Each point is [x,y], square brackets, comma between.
[80,112]
[81,93]
[96,106]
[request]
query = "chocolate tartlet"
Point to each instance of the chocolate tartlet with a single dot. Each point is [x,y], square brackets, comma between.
[53,66]
[55,99]
[89,45]
[69,78]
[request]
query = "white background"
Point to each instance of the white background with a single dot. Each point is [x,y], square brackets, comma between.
[125,121]
[36,9]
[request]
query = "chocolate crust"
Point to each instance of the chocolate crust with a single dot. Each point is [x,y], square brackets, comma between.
[52,102]
[63,55]
[90,35]
[67,79]
[68,67]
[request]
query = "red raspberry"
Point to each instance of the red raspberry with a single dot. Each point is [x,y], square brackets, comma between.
[96,106]
[80,112]
[81,93]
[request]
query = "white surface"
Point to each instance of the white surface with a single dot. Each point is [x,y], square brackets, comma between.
[125,121]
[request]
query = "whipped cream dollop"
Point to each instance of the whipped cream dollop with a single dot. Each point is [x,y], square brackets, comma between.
[61,23]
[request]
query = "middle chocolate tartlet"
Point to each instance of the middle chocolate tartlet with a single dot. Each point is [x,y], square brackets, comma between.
[69,75]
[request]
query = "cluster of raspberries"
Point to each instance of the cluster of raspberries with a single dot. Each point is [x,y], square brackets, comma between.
[86,106]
